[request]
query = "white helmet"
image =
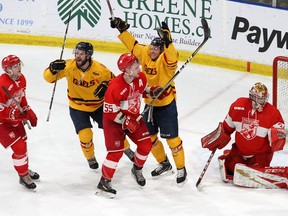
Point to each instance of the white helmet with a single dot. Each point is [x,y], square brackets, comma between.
[259,96]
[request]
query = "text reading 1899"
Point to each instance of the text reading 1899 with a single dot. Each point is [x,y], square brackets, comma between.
[24,22]
[12,21]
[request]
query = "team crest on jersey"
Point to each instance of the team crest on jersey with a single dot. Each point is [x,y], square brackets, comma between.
[117,143]
[12,135]
[134,102]
[249,128]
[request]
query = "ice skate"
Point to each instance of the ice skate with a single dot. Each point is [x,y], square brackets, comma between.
[27,182]
[181,176]
[33,175]
[93,164]
[137,174]
[130,154]
[105,189]
[164,168]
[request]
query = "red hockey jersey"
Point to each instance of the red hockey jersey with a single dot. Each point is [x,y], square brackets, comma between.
[17,90]
[124,97]
[251,128]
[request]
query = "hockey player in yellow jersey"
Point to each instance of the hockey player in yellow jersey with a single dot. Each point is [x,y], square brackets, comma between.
[87,81]
[159,63]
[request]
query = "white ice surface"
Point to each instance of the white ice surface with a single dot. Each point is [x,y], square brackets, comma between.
[67,185]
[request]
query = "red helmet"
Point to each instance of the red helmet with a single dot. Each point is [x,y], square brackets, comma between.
[9,61]
[125,60]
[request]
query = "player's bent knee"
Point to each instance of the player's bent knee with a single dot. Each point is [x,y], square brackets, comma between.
[85,135]
[223,170]
[175,145]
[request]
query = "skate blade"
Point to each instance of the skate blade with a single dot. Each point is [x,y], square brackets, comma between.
[105,194]
[164,174]
[140,186]
[29,189]
[182,183]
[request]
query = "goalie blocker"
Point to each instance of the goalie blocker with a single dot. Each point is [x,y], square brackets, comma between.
[267,177]
[216,139]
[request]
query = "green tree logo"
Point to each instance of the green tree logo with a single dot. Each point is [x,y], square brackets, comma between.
[83,10]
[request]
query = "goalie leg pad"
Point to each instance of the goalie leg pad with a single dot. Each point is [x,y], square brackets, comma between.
[222,168]
[265,177]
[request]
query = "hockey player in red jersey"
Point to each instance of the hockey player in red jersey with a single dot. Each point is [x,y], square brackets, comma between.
[14,112]
[259,132]
[122,117]
[159,62]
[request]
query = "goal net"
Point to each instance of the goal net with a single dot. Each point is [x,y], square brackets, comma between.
[280,86]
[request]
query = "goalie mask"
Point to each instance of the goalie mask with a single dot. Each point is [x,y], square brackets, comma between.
[11,64]
[259,96]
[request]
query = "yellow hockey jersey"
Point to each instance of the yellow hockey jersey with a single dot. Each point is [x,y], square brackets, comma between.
[158,72]
[81,85]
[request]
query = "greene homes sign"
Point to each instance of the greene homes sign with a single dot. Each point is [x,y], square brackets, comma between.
[83,11]
[142,14]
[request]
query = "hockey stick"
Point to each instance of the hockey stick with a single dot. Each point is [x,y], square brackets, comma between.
[110,9]
[206,167]
[206,37]
[17,104]
[61,55]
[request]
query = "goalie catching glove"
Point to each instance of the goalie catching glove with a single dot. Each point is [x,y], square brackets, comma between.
[165,34]
[277,137]
[119,24]
[57,65]
[216,139]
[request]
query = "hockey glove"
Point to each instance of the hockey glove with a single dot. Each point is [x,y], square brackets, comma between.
[31,116]
[165,34]
[155,90]
[131,124]
[16,115]
[277,138]
[101,89]
[119,24]
[57,65]
[216,139]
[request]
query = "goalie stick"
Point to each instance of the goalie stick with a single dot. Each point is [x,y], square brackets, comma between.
[61,55]
[206,37]
[205,168]
[17,104]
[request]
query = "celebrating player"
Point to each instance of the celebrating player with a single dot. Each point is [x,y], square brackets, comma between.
[259,132]
[122,117]
[159,62]
[14,113]
[87,82]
